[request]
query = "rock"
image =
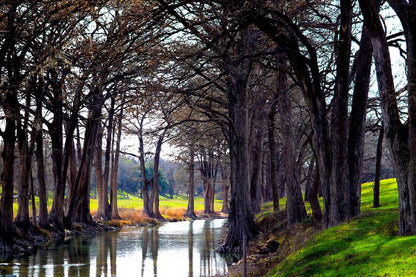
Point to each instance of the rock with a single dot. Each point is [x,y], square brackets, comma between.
[271,247]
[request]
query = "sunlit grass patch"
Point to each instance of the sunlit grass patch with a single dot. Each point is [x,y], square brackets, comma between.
[367,245]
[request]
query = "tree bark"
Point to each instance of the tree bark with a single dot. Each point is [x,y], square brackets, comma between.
[225,189]
[147,203]
[99,175]
[10,107]
[357,122]
[339,188]
[190,211]
[25,162]
[155,179]
[296,211]
[241,216]
[273,152]
[108,148]
[114,172]
[256,164]
[43,192]
[56,214]
[406,11]
[397,134]
[379,154]
[308,77]
[79,202]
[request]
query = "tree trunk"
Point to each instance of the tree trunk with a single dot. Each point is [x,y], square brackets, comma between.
[206,184]
[296,211]
[108,148]
[114,171]
[56,215]
[207,175]
[10,107]
[190,211]
[60,152]
[241,217]
[339,188]
[308,75]
[406,11]
[98,167]
[397,134]
[155,179]
[147,203]
[225,189]
[43,192]
[379,154]
[79,202]
[256,143]
[25,164]
[273,152]
[357,122]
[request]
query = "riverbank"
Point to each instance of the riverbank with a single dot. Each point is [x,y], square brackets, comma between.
[367,245]
[26,239]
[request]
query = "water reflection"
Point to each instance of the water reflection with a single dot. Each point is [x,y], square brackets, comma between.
[173,249]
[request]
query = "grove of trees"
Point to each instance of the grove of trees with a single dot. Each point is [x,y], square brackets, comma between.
[263,99]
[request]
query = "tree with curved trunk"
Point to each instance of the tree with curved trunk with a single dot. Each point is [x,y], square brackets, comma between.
[401,137]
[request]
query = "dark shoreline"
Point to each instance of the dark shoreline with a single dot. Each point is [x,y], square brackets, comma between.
[26,242]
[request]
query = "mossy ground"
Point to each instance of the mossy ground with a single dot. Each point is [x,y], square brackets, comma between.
[367,245]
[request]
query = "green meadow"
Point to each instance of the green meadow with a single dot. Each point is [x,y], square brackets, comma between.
[131,202]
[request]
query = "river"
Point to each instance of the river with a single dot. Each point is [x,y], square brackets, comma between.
[184,248]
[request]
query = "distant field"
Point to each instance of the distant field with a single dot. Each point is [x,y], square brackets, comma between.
[133,202]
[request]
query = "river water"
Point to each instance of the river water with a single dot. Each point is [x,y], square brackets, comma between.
[173,249]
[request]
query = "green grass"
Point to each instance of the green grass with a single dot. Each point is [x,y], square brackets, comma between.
[134,202]
[365,246]
[129,201]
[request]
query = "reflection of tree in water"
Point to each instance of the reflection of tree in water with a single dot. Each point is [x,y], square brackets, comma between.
[211,263]
[102,252]
[113,254]
[145,240]
[206,254]
[191,248]
[154,245]
[106,248]
[78,256]
[150,238]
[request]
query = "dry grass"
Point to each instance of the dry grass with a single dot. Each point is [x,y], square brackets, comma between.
[173,214]
[131,216]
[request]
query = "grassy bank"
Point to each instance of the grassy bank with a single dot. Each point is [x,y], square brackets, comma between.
[367,245]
